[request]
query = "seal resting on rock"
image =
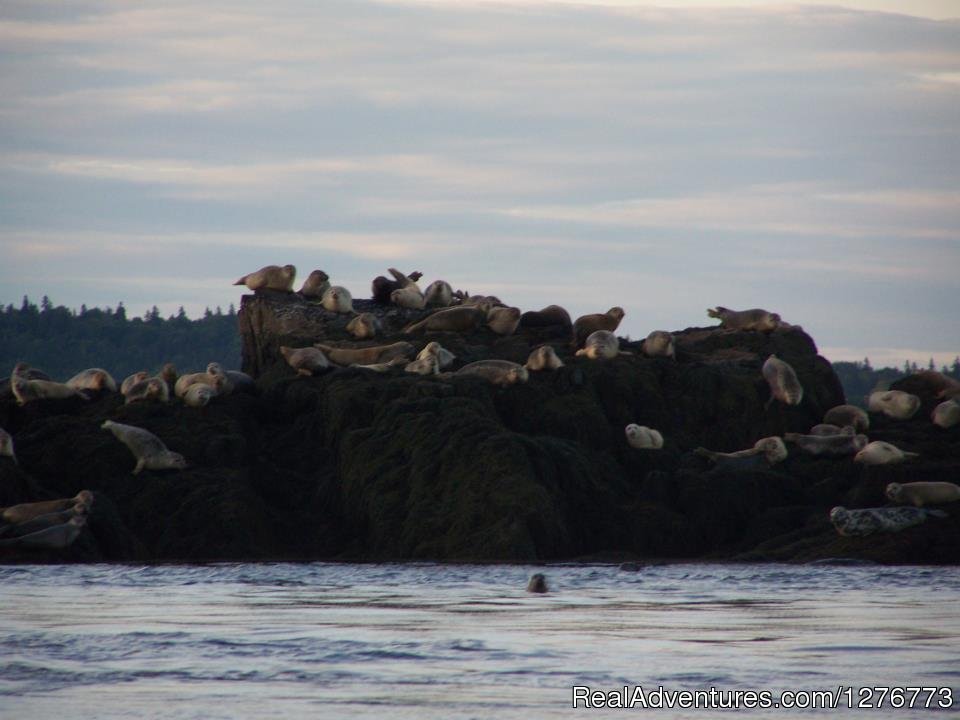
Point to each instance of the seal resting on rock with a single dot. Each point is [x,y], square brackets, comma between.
[828,445]
[315,285]
[753,319]
[882,453]
[586,325]
[935,383]
[426,365]
[601,345]
[503,320]
[771,449]
[868,521]
[42,522]
[923,493]
[381,287]
[147,448]
[57,537]
[6,445]
[894,404]
[408,297]
[363,326]
[337,299]
[215,376]
[444,357]
[547,317]
[783,382]
[946,414]
[844,415]
[270,277]
[94,379]
[366,355]
[537,583]
[543,358]
[199,395]
[643,438]
[26,390]
[498,372]
[384,366]
[150,390]
[438,294]
[131,380]
[454,319]
[306,361]
[18,514]
[659,343]
[828,429]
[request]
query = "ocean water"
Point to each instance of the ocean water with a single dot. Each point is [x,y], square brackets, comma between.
[323,640]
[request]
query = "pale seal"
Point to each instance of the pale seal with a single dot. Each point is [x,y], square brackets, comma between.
[95,379]
[600,345]
[454,319]
[408,297]
[923,493]
[498,372]
[147,448]
[503,320]
[6,445]
[783,382]
[894,404]
[363,326]
[366,355]
[131,380]
[642,437]
[771,449]
[444,357]
[753,319]
[381,287]
[946,414]
[851,415]
[337,299]
[828,445]
[659,343]
[23,512]
[57,537]
[199,394]
[382,367]
[438,294]
[585,325]
[270,277]
[214,376]
[26,391]
[873,520]
[315,285]
[306,361]
[152,389]
[427,365]
[547,317]
[537,583]
[543,358]
[882,453]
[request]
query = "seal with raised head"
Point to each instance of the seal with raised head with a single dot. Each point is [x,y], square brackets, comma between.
[601,345]
[210,377]
[130,380]
[199,394]
[752,319]
[6,445]
[923,493]
[316,284]
[879,452]
[26,390]
[408,297]
[453,319]
[783,382]
[894,404]
[57,537]
[586,325]
[771,449]
[642,437]
[659,343]
[438,294]
[363,326]
[427,365]
[537,583]
[306,361]
[543,358]
[381,287]
[337,299]
[17,514]
[844,415]
[828,445]
[270,277]
[503,320]
[498,372]
[94,379]
[152,389]
[444,357]
[547,317]
[366,355]
[946,414]
[868,521]
[147,448]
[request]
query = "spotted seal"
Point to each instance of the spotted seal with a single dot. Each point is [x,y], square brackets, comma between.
[868,521]
[879,452]
[337,299]
[270,277]
[659,343]
[444,357]
[894,404]
[828,445]
[438,294]
[783,381]
[306,361]
[543,358]
[601,345]
[147,448]
[946,414]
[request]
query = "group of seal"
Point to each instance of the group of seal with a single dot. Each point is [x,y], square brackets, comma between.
[45,525]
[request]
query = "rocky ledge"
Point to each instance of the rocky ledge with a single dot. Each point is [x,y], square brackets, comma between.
[353,464]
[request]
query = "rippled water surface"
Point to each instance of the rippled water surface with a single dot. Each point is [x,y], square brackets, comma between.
[441,641]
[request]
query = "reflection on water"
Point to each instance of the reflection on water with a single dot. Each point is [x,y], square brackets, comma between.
[437,641]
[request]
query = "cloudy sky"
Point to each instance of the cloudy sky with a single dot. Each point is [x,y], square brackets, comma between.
[666,157]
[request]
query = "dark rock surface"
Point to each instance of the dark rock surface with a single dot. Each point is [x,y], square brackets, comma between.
[357,465]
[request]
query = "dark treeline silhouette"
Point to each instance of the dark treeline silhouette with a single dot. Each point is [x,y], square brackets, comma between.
[859,379]
[61,341]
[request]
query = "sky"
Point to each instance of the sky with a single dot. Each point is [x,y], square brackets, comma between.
[665,157]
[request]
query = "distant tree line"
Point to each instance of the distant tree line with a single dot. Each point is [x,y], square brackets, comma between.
[62,341]
[859,379]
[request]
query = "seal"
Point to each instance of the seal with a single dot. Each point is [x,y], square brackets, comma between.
[42,522]
[543,358]
[771,449]
[468,300]
[882,453]
[444,357]
[537,583]
[498,372]
[93,379]
[873,520]
[643,438]
[17,514]
[408,297]
[894,404]
[844,415]
[601,345]
[427,365]
[316,285]
[438,294]
[306,361]
[366,355]
[131,380]
[659,343]
[551,315]
[150,390]
[384,366]
[503,320]
[241,381]
[6,445]
[454,319]
[932,382]
[828,429]
[946,414]
[923,493]
[57,537]
[225,386]
[381,287]
[147,448]
[363,326]
[586,325]
[828,445]
[214,376]
[169,374]
[199,394]
[26,391]
[783,382]
[337,299]
[270,277]
[753,319]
